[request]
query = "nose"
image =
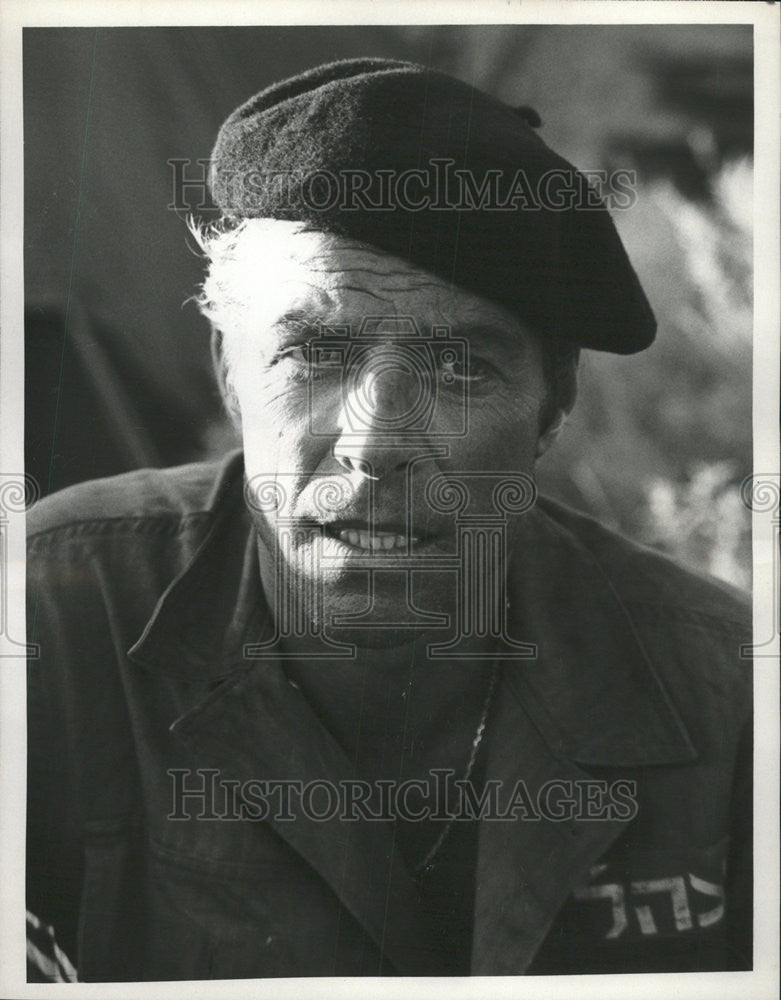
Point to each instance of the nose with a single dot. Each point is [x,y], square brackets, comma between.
[386,410]
[355,464]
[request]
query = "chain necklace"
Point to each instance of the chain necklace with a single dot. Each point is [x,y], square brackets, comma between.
[428,862]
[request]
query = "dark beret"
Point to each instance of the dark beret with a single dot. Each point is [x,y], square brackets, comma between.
[430,169]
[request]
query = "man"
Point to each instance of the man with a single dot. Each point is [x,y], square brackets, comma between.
[355,701]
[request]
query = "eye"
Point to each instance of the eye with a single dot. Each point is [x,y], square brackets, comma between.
[311,359]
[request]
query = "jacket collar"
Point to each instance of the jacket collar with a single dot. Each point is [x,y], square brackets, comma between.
[215,606]
[592,690]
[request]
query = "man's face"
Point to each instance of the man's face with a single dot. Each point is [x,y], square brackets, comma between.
[360,380]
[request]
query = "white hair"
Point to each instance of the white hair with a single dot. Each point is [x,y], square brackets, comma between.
[240,255]
[250,266]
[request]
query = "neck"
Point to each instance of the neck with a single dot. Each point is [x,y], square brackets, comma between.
[395,704]
[389,699]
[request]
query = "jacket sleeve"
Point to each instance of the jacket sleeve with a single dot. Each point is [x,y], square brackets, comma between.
[740,868]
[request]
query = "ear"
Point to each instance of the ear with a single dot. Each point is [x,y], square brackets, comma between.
[565,393]
[220,366]
[550,435]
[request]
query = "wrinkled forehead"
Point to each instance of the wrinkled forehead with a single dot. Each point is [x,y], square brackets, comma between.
[334,279]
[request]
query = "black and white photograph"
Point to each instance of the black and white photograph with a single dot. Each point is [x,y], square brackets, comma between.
[390,499]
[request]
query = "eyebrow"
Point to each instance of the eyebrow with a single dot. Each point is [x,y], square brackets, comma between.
[486,333]
[297,317]
[297,322]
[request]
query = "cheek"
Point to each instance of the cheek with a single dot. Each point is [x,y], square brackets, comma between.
[277,429]
[502,432]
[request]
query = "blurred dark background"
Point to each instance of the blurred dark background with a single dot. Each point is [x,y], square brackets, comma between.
[118,372]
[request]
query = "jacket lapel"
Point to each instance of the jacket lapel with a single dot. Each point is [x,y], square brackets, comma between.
[259,726]
[590,698]
[526,866]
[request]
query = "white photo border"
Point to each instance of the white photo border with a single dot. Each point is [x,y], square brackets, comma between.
[17,14]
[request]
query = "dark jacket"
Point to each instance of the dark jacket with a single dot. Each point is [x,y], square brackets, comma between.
[144,591]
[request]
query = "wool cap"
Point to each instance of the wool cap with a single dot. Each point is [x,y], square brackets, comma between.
[433,171]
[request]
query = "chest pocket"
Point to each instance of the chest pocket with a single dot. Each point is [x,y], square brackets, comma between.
[268,917]
[149,913]
[123,933]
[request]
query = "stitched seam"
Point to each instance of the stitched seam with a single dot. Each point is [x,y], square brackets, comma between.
[656,612]
[131,524]
[214,867]
[192,716]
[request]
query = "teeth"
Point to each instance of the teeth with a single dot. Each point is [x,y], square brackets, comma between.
[373,543]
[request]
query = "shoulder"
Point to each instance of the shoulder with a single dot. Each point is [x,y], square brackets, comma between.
[694,631]
[146,500]
[118,543]
[651,584]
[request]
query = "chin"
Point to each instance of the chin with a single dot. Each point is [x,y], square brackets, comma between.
[386,604]
[373,610]
[371,602]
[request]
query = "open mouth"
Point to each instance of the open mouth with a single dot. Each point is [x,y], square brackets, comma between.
[363,539]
